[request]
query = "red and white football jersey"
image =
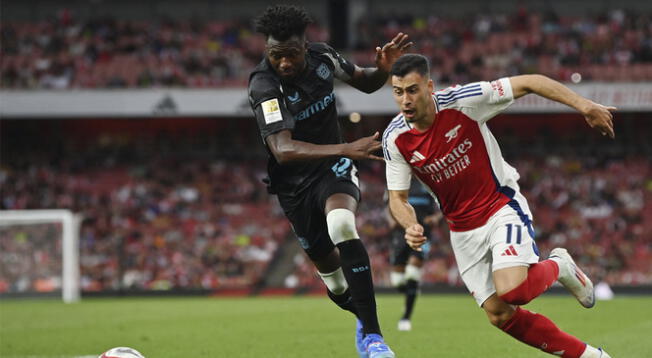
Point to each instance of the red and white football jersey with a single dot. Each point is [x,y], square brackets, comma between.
[458,158]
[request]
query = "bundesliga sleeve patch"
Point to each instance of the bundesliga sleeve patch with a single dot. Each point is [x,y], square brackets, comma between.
[271,111]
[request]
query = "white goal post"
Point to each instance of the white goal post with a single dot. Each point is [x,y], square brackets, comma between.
[70,223]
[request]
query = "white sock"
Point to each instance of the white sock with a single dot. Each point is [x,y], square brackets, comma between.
[591,352]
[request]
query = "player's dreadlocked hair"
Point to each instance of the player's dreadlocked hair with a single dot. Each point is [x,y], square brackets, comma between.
[282,22]
[411,62]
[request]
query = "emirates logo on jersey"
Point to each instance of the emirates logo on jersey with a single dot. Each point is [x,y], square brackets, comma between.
[449,165]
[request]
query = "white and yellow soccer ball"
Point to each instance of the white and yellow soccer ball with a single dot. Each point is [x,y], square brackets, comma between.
[121,352]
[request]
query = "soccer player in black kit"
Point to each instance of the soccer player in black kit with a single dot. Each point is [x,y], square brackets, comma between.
[407,262]
[311,169]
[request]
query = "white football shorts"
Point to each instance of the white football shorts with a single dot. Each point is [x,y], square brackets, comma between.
[506,240]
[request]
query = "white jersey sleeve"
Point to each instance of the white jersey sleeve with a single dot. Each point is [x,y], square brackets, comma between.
[480,101]
[397,171]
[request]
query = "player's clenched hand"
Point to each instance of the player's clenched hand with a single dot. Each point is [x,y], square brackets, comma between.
[600,118]
[364,148]
[388,54]
[414,237]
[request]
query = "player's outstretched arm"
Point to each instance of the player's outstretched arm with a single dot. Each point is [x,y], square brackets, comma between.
[595,114]
[370,79]
[286,150]
[404,214]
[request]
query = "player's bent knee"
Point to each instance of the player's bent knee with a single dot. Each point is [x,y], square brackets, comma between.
[500,319]
[498,311]
[335,281]
[412,273]
[498,316]
[341,225]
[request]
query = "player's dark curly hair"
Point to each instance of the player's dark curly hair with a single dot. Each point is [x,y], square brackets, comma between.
[411,62]
[282,21]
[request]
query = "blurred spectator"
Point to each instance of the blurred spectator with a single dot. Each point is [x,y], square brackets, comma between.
[30,258]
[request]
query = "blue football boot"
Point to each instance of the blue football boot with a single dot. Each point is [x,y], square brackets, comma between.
[376,347]
[359,337]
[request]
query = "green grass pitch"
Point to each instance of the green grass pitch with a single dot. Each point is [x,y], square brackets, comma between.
[286,327]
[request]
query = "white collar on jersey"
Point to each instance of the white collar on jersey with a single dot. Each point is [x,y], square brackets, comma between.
[434,99]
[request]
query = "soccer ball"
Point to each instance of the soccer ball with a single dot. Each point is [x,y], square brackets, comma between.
[121,352]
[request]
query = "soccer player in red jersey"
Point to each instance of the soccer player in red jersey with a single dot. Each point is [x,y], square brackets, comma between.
[442,138]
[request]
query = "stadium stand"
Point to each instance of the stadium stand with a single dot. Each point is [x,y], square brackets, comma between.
[154,219]
[67,52]
[593,198]
[610,46]
[168,206]
[168,203]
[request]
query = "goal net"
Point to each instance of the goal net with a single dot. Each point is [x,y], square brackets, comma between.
[39,253]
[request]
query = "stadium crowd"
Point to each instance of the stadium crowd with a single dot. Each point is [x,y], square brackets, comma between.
[69,53]
[601,218]
[154,224]
[612,46]
[602,214]
[169,213]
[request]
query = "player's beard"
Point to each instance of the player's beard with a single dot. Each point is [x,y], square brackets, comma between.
[416,118]
[421,112]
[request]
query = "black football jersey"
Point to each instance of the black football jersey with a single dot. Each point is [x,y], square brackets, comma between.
[305,106]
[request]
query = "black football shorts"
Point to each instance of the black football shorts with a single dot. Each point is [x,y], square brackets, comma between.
[305,210]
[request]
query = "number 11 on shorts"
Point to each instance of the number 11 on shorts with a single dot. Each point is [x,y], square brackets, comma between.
[509,233]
